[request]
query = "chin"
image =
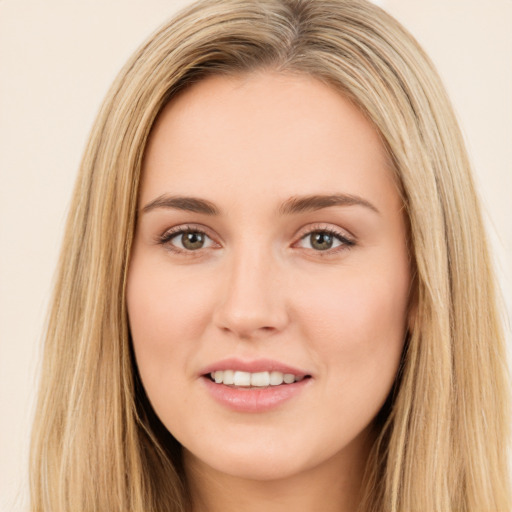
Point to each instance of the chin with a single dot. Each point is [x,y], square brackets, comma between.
[262,467]
[270,456]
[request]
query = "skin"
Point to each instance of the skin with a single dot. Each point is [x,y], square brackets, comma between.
[260,288]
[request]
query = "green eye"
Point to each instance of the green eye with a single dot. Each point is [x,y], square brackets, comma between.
[324,240]
[321,241]
[192,240]
[187,240]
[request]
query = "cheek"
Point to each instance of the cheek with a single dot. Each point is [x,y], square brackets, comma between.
[359,329]
[167,316]
[358,309]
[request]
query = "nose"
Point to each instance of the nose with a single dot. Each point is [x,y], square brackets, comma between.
[252,302]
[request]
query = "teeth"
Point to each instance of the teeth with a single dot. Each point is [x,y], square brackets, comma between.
[258,379]
[276,378]
[229,377]
[242,379]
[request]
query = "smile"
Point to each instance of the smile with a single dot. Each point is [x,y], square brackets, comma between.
[256,386]
[263,379]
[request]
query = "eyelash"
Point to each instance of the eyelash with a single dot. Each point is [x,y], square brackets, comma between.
[166,238]
[346,243]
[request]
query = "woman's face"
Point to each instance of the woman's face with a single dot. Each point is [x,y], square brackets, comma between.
[270,245]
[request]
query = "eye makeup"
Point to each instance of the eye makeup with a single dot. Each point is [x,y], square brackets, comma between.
[318,238]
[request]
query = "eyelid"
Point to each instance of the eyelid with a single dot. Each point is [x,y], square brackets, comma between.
[324,226]
[348,240]
[165,238]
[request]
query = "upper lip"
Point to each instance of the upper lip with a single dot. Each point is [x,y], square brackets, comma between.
[253,366]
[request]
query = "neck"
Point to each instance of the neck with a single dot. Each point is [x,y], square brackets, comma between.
[333,486]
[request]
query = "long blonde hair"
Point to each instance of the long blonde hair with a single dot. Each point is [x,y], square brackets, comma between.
[97,445]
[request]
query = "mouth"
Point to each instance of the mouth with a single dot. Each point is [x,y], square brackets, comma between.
[254,380]
[254,386]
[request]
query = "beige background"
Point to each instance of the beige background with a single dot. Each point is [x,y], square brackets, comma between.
[57,59]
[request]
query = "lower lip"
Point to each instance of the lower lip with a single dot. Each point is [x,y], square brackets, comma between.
[254,399]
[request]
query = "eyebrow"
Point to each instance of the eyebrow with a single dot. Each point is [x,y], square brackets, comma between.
[190,204]
[301,204]
[295,204]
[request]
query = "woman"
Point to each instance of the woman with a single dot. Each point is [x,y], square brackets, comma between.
[274,288]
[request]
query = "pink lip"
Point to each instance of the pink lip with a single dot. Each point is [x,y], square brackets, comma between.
[253,399]
[257,365]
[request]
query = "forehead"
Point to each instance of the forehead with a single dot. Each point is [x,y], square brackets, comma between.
[264,134]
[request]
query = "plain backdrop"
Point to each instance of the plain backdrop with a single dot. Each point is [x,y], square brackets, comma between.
[57,59]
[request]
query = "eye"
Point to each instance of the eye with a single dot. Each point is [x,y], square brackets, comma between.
[324,240]
[186,239]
